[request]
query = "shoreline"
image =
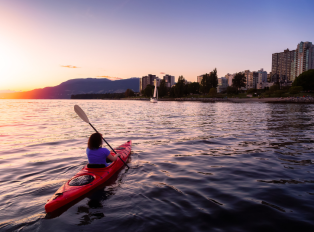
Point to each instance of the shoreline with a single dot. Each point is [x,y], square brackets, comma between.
[232,100]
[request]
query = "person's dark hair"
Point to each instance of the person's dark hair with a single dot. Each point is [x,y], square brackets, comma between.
[94,141]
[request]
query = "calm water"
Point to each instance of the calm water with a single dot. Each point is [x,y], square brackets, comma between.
[194,166]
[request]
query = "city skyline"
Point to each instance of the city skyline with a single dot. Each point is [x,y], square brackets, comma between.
[46,43]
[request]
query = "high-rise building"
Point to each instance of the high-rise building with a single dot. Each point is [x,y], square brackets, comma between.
[229,78]
[247,73]
[200,78]
[222,84]
[261,79]
[147,80]
[262,76]
[169,80]
[252,78]
[283,65]
[305,57]
[288,65]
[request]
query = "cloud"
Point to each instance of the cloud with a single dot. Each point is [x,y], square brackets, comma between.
[162,73]
[111,78]
[69,66]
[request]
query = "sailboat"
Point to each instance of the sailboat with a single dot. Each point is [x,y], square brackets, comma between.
[155,96]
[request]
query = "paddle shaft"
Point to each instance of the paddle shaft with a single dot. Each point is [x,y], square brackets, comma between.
[108,145]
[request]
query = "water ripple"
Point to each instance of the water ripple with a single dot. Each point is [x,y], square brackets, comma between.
[194,166]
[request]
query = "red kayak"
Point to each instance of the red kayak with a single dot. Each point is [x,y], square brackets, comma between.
[87,179]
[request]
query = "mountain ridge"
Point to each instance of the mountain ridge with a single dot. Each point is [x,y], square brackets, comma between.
[77,86]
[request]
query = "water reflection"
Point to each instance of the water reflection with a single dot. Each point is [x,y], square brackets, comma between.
[195,166]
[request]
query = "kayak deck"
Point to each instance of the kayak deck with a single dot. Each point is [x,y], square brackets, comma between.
[86,180]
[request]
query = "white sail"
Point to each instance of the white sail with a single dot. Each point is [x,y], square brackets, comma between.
[155,96]
[155,91]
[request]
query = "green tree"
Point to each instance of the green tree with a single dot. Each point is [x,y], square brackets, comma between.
[239,80]
[194,87]
[306,80]
[274,88]
[295,89]
[129,93]
[213,79]
[172,91]
[279,93]
[179,87]
[162,90]
[267,93]
[186,90]
[205,84]
[213,92]
[251,91]
[148,91]
[231,90]
[209,81]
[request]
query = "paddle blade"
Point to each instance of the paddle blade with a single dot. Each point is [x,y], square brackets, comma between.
[81,113]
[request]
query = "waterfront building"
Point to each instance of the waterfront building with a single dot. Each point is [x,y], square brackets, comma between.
[222,84]
[229,78]
[305,57]
[262,75]
[288,65]
[170,80]
[200,78]
[251,79]
[148,80]
[246,73]
[283,66]
[261,79]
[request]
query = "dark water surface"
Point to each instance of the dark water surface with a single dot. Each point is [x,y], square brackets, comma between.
[194,166]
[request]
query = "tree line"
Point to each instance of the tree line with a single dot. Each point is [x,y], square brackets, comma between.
[182,88]
[98,96]
[208,86]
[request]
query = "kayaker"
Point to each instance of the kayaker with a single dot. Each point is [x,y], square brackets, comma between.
[96,154]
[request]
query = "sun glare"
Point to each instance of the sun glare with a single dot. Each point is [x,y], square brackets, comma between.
[13,65]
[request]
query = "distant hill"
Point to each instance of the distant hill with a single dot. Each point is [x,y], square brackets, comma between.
[77,86]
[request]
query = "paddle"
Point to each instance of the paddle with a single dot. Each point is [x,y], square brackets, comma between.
[84,117]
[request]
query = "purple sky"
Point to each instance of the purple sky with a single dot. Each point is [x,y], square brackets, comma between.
[44,43]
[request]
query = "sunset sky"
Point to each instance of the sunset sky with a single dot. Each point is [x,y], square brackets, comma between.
[44,43]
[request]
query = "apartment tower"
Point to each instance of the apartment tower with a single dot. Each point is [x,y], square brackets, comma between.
[169,80]
[147,80]
[288,65]
[283,66]
[305,57]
